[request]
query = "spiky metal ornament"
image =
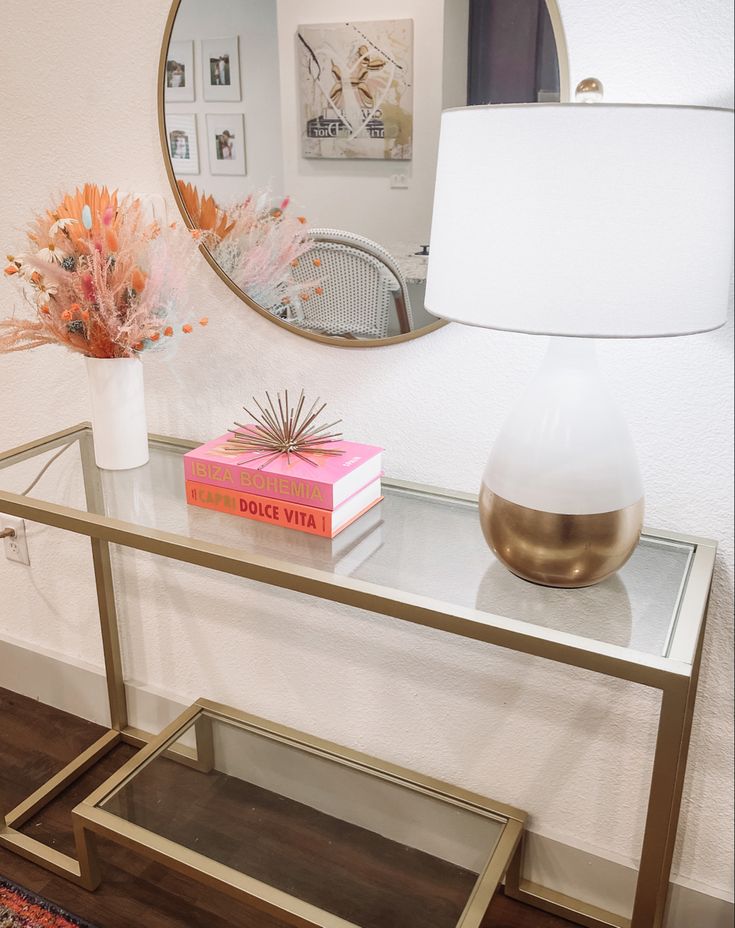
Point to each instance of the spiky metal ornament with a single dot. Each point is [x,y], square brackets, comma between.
[284,429]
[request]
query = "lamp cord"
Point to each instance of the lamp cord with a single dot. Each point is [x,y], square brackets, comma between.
[10,532]
[46,467]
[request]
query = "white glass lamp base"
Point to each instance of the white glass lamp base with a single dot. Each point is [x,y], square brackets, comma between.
[561,501]
[119,423]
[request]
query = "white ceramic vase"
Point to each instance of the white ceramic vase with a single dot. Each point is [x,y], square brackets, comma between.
[118,412]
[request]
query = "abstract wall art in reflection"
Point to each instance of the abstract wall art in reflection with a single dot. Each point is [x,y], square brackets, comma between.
[356,83]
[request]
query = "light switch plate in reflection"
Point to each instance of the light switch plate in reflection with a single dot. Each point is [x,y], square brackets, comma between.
[399,181]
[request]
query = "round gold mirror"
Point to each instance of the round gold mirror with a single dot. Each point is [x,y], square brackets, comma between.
[303,147]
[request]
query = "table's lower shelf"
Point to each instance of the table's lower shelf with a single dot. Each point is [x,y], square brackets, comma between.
[311,832]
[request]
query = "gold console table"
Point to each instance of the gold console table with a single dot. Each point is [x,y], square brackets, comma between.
[673,573]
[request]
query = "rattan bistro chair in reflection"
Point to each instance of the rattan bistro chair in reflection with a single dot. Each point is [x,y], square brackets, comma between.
[361,283]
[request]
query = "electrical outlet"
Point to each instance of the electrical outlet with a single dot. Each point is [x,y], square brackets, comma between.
[16,546]
[399,181]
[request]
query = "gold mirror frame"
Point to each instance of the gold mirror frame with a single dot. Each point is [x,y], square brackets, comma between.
[337,341]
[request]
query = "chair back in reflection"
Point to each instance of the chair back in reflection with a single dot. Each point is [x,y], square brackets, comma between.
[361,287]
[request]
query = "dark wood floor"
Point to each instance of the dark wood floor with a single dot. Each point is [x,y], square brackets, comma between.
[36,741]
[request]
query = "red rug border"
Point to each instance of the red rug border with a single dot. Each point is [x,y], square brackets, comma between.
[44,906]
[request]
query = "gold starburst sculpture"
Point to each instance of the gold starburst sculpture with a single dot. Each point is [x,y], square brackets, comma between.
[280,428]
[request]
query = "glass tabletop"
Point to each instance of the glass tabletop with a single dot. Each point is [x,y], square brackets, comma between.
[354,842]
[416,542]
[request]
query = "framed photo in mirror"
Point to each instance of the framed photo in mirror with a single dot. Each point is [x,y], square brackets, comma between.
[221,69]
[226,143]
[180,72]
[181,137]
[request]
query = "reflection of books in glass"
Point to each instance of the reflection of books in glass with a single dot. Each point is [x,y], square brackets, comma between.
[358,542]
[325,522]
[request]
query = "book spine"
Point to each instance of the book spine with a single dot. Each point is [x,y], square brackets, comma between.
[302,492]
[260,509]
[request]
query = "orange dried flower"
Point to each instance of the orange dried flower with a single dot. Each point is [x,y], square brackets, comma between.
[111,240]
[168,331]
[11,269]
[85,315]
[66,315]
[302,220]
[45,310]
[318,291]
[204,320]
[138,280]
[204,212]
[317,262]
[186,328]
[155,336]
[196,233]
[138,346]
[295,262]
[35,277]
[304,296]
[74,307]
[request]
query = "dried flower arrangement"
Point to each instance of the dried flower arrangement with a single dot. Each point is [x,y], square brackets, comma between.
[102,279]
[205,214]
[256,244]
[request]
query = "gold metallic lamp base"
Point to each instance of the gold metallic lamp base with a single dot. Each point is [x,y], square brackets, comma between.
[559,550]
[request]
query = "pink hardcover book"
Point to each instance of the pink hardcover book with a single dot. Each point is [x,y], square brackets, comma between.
[326,486]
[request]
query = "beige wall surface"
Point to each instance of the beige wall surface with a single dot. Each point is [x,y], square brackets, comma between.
[79,103]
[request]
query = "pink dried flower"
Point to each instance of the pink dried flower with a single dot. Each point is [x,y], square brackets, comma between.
[87,299]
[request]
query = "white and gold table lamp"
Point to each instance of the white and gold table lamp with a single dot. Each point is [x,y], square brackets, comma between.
[580,222]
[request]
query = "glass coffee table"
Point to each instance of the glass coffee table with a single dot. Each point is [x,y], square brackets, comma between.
[305,830]
[419,558]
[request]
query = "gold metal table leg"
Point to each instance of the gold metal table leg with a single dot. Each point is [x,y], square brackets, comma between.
[90,875]
[105,593]
[667,784]
[85,871]
[667,780]
[662,815]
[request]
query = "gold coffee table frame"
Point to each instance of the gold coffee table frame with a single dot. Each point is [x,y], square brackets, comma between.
[90,820]
[675,675]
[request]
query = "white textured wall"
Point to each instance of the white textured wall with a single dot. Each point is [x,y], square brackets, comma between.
[572,750]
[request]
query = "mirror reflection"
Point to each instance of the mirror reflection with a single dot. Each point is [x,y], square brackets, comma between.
[304,145]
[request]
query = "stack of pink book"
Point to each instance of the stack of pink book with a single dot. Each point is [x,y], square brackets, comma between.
[321,500]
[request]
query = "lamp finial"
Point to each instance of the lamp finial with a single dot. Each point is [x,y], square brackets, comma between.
[590,90]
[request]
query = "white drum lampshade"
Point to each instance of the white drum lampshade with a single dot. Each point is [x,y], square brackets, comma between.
[577,220]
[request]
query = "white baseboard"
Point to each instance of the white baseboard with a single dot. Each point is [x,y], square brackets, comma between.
[80,688]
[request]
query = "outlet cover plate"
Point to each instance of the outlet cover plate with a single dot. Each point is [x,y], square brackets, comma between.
[16,548]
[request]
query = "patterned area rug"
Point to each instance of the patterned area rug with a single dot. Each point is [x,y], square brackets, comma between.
[22,909]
